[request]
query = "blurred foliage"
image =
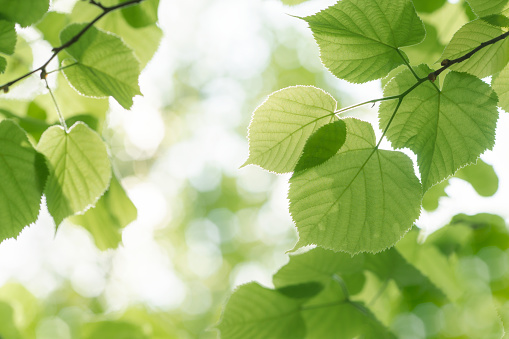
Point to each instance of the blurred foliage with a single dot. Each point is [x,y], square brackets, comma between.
[218,229]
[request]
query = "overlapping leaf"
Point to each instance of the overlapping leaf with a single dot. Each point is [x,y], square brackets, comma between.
[361,200]
[447,128]
[141,15]
[102,66]
[7,41]
[359,40]
[24,12]
[322,145]
[23,174]
[111,213]
[500,84]
[485,62]
[80,169]
[144,41]
[270,314]
[487,7]
[282,124]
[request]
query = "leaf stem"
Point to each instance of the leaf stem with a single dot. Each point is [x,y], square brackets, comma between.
[407,64]
[59,113]
[105,10]
[62,68]
[345,109]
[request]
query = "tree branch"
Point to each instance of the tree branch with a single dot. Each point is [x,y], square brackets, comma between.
[446,63]
[105,10]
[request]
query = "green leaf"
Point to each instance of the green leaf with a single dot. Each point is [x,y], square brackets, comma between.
[497,20]
[112,212]
[254,312]
[500,84]
[359,40]
[51,26]
[301,291]
[281,126]
[485,62]
[481,176]
[8,37]
[362,200]
[447,128]
[24,12]
[487,7]
[143,41]
[141,15]
[104,66]
[23,176]
[80,169]
[317,265]
[322,145]
[331,315]
[431,197]
[19,63]
[3,64]
[428,6]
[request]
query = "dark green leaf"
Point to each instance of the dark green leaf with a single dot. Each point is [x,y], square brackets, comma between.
[141,15]
[24,12]
[322,145]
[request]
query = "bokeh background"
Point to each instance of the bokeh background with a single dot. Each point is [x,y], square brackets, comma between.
[204,225]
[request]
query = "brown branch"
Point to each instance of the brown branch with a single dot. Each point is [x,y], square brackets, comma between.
[105,10]
[446,63]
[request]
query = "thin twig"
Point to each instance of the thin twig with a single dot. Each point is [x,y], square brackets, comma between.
[446,63]
[74,39]
[59,113]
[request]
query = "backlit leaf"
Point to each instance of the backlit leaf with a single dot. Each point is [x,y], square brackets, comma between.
[359,40]
[487,61]
[103,65]
[111,213]
[23,174]
[281,126]
[447,128]
[80,169]
[361,200]
[487,7]
[254,312]
[144,41]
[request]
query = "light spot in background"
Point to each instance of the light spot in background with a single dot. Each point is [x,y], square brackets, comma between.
[199,300]
[250,271]
[408,326]
[52,328]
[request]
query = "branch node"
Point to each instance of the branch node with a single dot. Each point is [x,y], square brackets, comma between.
[445,62]
[432,77]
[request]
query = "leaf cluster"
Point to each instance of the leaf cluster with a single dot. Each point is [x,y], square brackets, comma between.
[52,150]
[369,275]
